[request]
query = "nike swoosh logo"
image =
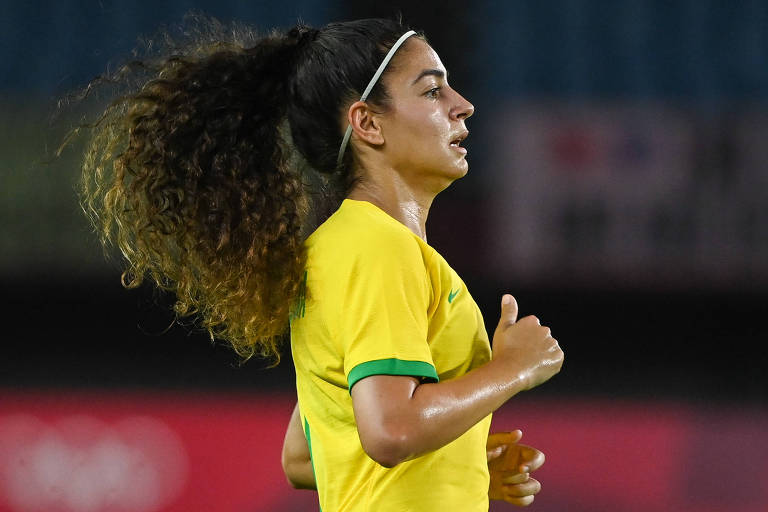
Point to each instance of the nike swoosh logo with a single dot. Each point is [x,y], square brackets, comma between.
[452,295]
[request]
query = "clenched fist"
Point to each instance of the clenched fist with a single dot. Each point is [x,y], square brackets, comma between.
[526,346]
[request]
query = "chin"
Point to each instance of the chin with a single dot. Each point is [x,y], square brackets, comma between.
[460,170]
[451,174]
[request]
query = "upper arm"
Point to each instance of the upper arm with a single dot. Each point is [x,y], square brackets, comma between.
[382,324]
[382,330]
[381,410]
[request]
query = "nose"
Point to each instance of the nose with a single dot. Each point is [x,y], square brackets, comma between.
[463,108]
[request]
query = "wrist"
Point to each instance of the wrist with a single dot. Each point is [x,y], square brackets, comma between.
[513,376]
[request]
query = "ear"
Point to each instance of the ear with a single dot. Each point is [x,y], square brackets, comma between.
[365,123]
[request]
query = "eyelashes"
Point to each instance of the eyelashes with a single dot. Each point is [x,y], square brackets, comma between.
[434,92]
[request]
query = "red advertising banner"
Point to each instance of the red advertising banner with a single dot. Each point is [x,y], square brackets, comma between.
[166,452]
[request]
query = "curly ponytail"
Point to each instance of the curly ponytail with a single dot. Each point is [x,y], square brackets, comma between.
[193,176]
[201,199]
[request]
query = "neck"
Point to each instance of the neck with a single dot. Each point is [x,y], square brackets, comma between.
[406,204]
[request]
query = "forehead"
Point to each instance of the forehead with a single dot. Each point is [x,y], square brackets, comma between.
[414,57]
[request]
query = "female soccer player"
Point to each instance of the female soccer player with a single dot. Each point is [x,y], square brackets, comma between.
[212,180]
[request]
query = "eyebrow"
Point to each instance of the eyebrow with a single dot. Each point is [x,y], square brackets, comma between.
[429,72]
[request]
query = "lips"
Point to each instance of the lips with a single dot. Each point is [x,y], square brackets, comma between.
[456,141]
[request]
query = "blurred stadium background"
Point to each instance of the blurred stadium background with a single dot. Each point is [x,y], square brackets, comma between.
[617,187]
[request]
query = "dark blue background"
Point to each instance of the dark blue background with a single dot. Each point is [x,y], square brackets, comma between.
[81,329]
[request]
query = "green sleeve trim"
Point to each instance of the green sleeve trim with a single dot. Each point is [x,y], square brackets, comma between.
[391,367]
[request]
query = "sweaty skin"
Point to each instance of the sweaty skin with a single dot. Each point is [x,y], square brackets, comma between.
[399,419]
[406,154]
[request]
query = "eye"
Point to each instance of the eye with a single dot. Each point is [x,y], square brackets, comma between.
[433,93]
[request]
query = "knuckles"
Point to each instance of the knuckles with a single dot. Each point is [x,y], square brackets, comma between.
[530,319]
[506,324]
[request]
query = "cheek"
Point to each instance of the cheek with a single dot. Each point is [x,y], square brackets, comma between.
[420,127]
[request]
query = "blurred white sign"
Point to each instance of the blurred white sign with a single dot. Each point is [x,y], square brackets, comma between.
[80,464]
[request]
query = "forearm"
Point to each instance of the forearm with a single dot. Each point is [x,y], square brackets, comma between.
[428,416]
[296,458]
[398,419]
[441,412]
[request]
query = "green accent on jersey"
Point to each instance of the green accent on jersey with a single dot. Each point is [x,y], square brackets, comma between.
[300,306]
[309,445]
[376,304]
[452,295]
[392,367]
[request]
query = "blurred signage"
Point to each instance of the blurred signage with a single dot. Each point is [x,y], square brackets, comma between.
[636,194]
[78,462]
[152,452]
[105,452]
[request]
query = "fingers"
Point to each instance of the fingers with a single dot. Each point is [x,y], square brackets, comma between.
[531,459]
[505,438]
[522,494]
[515,478]
[520,502]
[527,488]
[516,488]
[532,319]
[508,310]
[495,453]
[500,442]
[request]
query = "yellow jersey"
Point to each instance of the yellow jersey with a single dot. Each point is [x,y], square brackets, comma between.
[378,300]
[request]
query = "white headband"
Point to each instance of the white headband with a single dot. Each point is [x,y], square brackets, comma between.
[367,91]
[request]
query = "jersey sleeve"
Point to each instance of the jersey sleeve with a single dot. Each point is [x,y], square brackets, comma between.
[383,320]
